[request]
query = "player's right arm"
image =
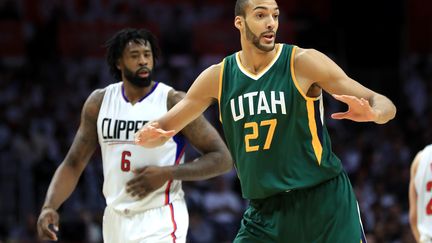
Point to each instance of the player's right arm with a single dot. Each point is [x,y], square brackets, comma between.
[68,173]
[203,92]
[413,198]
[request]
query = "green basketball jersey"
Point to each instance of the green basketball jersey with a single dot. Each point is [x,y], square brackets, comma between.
[275,133]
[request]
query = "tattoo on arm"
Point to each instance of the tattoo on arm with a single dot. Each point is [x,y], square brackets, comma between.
[67,174]
[215,158]
[86,139]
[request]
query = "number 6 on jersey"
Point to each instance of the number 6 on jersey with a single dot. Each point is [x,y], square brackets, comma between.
[125,163]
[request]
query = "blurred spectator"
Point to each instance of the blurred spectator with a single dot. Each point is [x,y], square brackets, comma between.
[200,229]
[224,209]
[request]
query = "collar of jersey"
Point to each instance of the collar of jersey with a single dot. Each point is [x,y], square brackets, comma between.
[264,71]
[145,96]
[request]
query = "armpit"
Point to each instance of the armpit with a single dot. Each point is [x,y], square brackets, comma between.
[314,90]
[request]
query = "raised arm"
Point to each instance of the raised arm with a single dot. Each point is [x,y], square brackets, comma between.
[67,174]
[314,69]
[201,95]
[413,198]
[215,158]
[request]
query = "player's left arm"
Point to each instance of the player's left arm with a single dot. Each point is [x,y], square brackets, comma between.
[413,198]
[314,68]
[215,159]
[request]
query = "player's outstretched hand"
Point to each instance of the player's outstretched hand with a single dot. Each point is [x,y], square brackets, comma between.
[47,224]
[359,110]
[151,135]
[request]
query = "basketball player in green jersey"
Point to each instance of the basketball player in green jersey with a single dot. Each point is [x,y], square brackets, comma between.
[270,101]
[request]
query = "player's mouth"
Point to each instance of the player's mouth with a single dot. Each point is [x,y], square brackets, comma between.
[143,72]
[269,37]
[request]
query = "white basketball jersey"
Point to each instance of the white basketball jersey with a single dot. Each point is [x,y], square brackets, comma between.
[423,186]
[117,123]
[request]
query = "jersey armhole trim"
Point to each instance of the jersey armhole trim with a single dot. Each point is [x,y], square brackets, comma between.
[221,72]
[295,79]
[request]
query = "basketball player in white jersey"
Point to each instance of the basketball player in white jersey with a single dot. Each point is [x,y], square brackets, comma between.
[420,196]
[142,187]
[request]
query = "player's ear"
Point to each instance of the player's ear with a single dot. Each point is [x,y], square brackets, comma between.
[238,22]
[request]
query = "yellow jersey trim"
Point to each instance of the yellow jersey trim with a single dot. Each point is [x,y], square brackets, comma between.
[316,144]
[220,87]
[295,79]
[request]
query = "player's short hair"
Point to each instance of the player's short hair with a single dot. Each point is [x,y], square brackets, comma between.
[117,43]
[240,6]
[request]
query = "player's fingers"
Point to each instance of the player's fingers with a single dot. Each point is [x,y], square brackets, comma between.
[138,140]
[164,133]
[47,234]
[339,115]
[141,137]
[146,128]
[55,221]
[159,132]
[143,194]
[131,186]
[148,133]
[364,101]
[55,227]
[135,191]
[345,98]
[131,190]
[342,98]
[135,187]
[52,225]
[139,170]
[136,181]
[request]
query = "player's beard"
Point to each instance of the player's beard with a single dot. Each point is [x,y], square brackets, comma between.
[256,39]
[136,80]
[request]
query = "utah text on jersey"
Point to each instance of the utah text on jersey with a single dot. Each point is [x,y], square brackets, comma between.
[258,102]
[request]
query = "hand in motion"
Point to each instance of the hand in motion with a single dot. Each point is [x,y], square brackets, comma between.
[359,110]
[48,217]
[151,135]
[146,180]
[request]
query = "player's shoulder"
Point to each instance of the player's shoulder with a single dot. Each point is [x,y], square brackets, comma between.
[428,149]
[113,89]
[94,100]
[213,71]
[97,95]
[418,158]
[305,53]
[424,155]
[174,96]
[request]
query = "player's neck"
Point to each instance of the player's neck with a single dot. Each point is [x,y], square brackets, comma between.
[255,60]
[134,93]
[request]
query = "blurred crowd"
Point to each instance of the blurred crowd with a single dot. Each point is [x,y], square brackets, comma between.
[52,57]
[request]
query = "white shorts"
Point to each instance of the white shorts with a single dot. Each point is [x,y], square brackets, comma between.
[167,224]
[425,239]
